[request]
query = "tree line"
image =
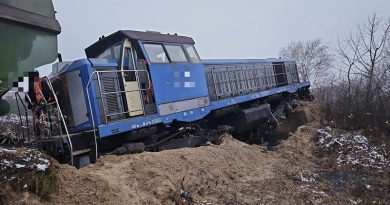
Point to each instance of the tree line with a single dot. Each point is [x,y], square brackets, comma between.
[351,81]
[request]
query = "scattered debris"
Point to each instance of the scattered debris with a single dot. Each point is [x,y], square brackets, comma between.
[8,127]
[12,132]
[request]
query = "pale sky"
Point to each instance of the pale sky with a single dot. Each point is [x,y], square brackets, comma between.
[220,29]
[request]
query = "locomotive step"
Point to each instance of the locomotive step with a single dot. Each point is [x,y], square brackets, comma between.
[80,152]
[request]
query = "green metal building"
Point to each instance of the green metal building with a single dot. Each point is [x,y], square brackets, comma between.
[28,39]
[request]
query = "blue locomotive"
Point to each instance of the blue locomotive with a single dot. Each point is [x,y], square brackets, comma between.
[136,85]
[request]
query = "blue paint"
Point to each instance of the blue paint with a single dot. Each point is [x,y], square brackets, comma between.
[191,115]
[86,70]
[106,130]
[163,77]
[168,82]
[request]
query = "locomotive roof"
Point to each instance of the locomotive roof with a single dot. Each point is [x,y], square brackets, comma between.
[106,42]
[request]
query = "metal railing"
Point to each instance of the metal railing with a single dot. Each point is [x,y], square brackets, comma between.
[233,80]
[61,116]
[44,115]
[103,94]
[26,111]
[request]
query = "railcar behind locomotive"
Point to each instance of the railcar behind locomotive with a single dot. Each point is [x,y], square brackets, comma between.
[145,87]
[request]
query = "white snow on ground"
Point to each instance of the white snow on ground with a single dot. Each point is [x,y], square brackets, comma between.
[8,150]
[307,179]
[23,159]
[360,139]
[12,118]
[42,167]
[353,149]
[18,166]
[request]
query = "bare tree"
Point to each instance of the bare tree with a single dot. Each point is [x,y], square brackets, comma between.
[313,59]
[366,54]
[372,49]
[348,56]
[364,58]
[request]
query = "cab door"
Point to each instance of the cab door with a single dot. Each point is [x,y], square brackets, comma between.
[130,80]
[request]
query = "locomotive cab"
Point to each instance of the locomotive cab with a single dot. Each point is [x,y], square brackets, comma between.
[131,80]
[160,73]
[133,76]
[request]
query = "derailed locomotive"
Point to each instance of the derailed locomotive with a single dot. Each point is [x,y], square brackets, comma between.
[147,88]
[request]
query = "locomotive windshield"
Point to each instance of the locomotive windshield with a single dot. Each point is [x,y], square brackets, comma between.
[191,51]
[156,53]
[176,54]
[168,53]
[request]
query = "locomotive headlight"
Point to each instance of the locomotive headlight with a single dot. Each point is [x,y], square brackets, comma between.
[203,102]
[171,107]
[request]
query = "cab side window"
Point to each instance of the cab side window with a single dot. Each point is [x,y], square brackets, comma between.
[107,54]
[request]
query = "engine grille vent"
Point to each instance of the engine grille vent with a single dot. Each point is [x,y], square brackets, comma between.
[113,102]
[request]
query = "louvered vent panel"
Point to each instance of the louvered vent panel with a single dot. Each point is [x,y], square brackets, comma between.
[111,100]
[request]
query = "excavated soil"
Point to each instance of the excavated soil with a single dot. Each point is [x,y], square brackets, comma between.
[230,173]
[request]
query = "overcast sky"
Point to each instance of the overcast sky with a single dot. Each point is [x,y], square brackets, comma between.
[221,29]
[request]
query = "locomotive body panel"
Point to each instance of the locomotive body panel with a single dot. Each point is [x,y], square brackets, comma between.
[175,100]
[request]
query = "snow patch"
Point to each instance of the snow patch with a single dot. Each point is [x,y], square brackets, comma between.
[307,179]
[18,166]
[42,167]
[353,149]
[360,139]
[23,159]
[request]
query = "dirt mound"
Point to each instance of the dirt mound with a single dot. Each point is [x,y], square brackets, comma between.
[225,174]
[302,113]
[209,173]
[230,173]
